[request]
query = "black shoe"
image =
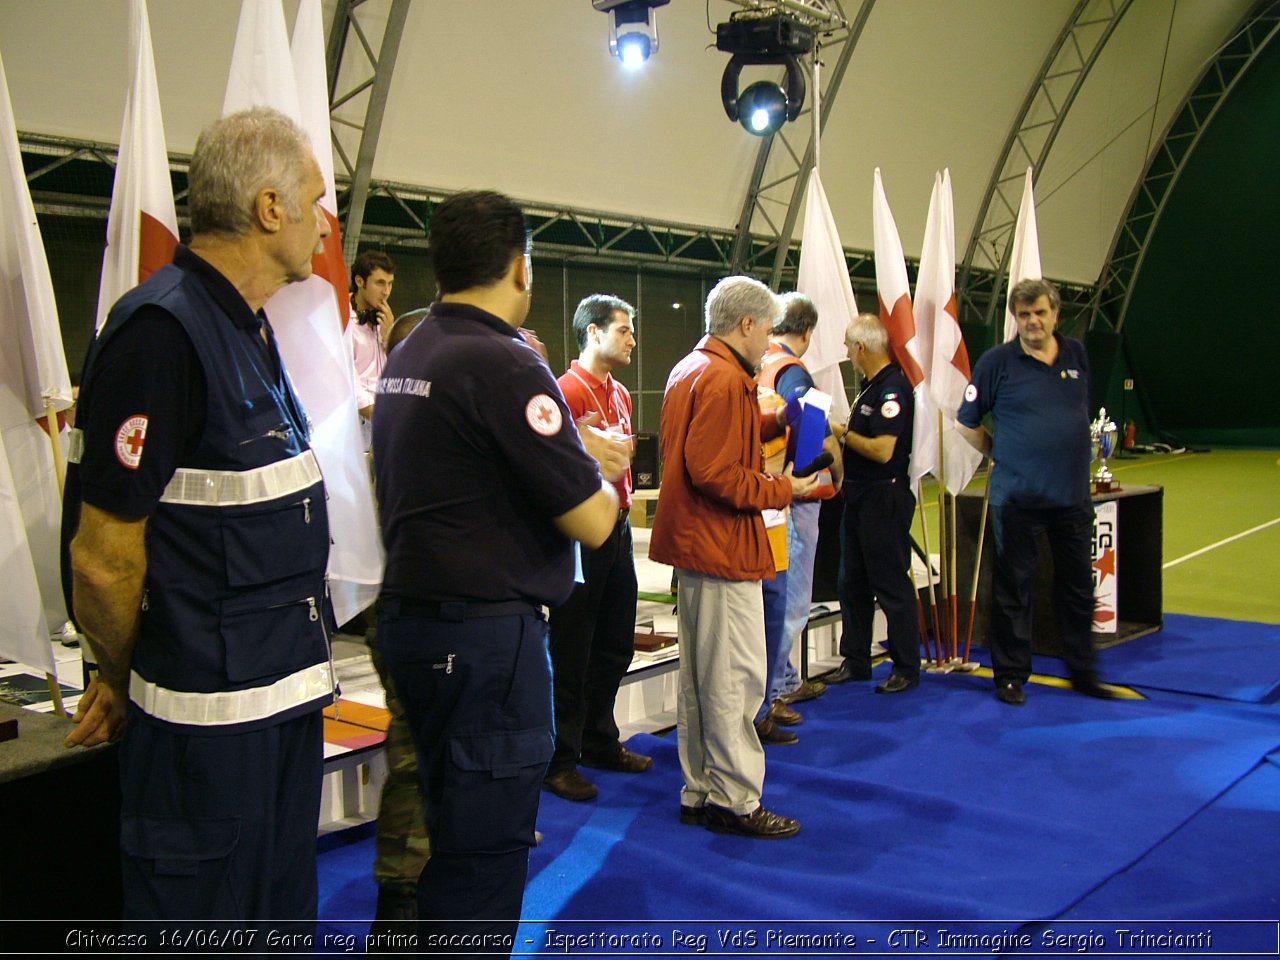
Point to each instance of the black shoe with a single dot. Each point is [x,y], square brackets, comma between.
[770,732]
[897,683]
[759,823]
[1091,687]
[619,758]
[844,674]
[1010,692]
[693,816]
[570,784]
[808,690]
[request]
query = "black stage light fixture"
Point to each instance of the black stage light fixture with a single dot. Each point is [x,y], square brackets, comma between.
[633,28]
[775,39]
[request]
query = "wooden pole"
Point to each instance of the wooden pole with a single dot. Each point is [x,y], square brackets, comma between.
[59,471]
[928,569]
[977,560]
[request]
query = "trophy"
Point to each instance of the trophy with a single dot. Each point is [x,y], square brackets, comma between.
[1103,434]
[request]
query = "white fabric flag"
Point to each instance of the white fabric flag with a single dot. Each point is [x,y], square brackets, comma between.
[306,315]
[824,278]
[945,358]
[33,377]
[1024,259]
[142,227]
[895,313]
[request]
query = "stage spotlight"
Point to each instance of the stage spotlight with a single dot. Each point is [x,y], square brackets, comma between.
[633,29]
[762,108]
[772,40]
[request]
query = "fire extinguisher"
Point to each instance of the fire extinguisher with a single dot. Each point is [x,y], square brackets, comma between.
[1130,434]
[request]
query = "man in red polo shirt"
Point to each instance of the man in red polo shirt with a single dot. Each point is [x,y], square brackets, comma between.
[592,633]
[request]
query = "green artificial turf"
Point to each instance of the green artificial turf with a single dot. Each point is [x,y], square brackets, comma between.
[1208,498]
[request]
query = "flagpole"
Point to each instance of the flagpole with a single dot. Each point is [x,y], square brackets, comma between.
[977,561]
[817,109]
[944,539]
[60,473]
[955,601]
[932,591]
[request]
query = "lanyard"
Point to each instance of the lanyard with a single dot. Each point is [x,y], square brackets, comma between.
[604,413]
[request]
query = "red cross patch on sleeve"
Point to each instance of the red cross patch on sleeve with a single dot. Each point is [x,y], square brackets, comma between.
[130,439]
[543,414]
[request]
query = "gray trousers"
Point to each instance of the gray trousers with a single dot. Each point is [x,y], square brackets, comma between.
[722,675]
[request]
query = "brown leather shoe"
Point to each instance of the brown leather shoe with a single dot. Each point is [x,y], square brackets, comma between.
[759,823]
[693,816]
[770,732]
[619,758]
[808,690]
[781,713]
[570,784]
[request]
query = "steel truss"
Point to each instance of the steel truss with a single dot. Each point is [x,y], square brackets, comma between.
[1110,303]
[1036,126]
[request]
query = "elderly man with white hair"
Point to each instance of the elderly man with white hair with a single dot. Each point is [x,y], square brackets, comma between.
[709,527]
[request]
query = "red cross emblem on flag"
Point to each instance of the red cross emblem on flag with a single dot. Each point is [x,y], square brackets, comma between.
[130,439]
[543,415]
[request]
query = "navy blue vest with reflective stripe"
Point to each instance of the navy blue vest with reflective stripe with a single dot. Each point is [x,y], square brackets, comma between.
[238,546]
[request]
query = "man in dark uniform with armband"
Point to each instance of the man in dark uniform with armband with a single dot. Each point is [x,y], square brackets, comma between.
[875,533]
[483,484]
[200,548]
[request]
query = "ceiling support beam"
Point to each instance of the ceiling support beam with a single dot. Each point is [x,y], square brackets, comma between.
[1242,48]
[1034,129]
[359,81]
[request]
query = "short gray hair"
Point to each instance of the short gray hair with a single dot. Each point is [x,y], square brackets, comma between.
[1030,289]
[237,157]
[867,330]
[736,297]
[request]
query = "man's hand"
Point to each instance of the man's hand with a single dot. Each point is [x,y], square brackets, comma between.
[801,487]
[386,320]
[100,717]
[611,450]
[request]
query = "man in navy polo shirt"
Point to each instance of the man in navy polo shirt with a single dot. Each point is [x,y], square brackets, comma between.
[483,485]
[1036,388]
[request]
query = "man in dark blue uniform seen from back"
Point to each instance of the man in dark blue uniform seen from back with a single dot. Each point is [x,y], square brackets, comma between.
[1036,388]
[200,547]
[875,532]
[483,483]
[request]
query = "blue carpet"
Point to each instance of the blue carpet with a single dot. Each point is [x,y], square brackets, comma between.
[1229,659]
[942,803]
[1236,835]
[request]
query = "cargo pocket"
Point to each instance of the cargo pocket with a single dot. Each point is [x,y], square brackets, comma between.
[270,543]
[179,868]
[264,641]
[491,800]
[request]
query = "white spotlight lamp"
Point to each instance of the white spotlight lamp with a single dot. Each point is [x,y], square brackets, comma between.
[633,29]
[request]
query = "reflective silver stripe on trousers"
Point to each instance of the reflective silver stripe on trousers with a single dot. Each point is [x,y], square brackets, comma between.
[231,706]
[75,445]
[226,488]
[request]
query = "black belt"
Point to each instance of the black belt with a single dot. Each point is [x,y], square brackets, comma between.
[456,611]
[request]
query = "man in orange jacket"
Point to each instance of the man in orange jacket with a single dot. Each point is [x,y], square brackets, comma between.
[708,526]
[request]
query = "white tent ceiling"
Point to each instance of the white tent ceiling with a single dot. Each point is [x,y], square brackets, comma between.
[522,96]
